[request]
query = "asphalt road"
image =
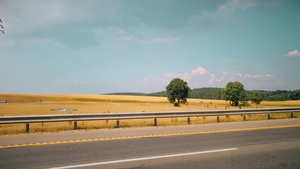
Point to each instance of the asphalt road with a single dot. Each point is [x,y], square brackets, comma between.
[258,148]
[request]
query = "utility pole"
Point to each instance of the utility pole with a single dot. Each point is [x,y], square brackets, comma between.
[1,26]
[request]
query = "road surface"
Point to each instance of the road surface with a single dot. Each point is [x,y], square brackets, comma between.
[264,144]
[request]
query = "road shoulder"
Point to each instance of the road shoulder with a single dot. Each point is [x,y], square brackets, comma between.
[127,133]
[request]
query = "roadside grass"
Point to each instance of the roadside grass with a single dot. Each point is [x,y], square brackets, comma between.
[289,103]
[24,104]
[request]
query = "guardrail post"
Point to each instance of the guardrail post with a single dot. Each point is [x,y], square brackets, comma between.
[75,125]
[189,120]
[218,119]
[292,115]
[269,116]
[118,124]
[244,117]
[155,121]
[27,127]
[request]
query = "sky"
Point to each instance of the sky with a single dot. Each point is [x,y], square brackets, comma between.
[107,46]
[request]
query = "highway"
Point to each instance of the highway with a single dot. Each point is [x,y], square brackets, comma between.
[264,144]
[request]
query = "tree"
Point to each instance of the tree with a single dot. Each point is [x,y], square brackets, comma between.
[256,97]
[234,92]
[177,90]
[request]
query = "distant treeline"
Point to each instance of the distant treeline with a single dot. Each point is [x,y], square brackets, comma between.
[215,94]
[279,95]
[201,93]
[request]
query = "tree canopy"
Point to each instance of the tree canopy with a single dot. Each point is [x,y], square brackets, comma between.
[255,97]
[177,90]
[234,92]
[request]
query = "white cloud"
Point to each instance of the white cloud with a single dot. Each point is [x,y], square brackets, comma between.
[121,31]
[252,76]
[200,77]
[256,81]
[224,73]
[119,35]
[199,71]
[269,75]
[196,78]
[32,15]
[212,79]
[223,16]
[172,75]
[237,4]
[221,79]
[294,53]
[248,76]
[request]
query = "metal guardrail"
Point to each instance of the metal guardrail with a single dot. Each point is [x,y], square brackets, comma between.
[140,115]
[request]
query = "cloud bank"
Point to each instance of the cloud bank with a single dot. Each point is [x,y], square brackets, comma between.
[200,77]
[294,53]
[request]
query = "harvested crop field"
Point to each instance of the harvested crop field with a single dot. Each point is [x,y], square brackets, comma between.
[27,104]
[24,104]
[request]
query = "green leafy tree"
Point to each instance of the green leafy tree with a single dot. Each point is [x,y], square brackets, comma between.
[256,97]
[234,92]
[177,90]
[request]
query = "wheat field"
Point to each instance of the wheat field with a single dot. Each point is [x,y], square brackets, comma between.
[29,104]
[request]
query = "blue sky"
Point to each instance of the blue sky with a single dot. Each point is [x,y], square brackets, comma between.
[104,46]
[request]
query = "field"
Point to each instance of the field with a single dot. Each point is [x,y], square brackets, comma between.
[25,104]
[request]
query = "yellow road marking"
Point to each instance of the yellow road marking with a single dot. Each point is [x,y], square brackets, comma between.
[147,136]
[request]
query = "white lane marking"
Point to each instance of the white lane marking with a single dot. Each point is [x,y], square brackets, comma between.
[145,158]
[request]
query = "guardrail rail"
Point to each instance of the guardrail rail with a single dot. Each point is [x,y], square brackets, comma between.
[139,115]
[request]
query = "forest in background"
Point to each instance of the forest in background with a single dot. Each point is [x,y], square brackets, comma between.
[215,94]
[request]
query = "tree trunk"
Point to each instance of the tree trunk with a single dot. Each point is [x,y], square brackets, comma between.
[236,103]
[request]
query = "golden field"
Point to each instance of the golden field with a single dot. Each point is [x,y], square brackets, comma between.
[28,104]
